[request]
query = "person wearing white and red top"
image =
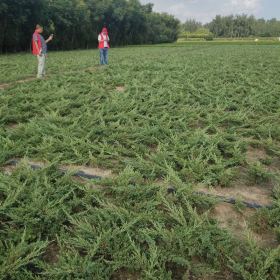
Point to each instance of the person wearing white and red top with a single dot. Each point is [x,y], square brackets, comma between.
[39,48]
[103,39]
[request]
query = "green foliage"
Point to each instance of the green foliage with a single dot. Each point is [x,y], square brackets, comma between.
[244,26]
[259,265]
[138,228]
[191,25]
[201,33]
[259,174]
[155,123]
[178,120]
[19,255]
[209,37]
[76,24]
[239,26]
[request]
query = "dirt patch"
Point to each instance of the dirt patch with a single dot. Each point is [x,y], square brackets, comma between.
[7,85]
[104,173]
[237,223]
[274,166]
[40,164]
[94,172]
[12,125]
[92,69]
[254,155]
[120,88]
[8,169]
[153,148]
[87,183]
[253,194]
[3,86]
[229,218]
[28,79]
[124,274]
[51,255]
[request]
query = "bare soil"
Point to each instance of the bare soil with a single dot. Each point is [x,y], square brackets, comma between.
[3,86]
[92,69]
[243,188]
[94,171]
[88,183]
[7,85]
[275,165]
[237,223]
[39,163]
[120,88]
[254,155]
[124,274]
[52,253]
[254,193]
[12,125]
[8,169]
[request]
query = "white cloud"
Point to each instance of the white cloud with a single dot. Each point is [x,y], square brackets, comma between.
[252,6]
[205,10]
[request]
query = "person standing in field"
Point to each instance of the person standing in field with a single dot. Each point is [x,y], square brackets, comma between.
[103,39]
[39,48]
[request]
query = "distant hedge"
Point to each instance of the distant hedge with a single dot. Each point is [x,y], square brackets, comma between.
[187,36]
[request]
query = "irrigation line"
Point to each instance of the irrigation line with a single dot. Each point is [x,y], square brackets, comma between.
[232,200]
[64,171]
[82,174]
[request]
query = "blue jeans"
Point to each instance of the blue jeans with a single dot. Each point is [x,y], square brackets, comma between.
[104,56]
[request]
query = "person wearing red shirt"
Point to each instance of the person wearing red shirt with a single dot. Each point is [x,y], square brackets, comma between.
[39,48]
[103,39]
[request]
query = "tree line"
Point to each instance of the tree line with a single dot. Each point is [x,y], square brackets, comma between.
[235,26]
[76,23]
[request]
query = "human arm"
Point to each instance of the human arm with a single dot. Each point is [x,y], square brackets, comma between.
[49,39]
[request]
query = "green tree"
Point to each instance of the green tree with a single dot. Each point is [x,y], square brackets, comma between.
[76,23]
[191,25]
[243,26]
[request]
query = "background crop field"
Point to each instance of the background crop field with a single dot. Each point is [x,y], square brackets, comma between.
[185,115]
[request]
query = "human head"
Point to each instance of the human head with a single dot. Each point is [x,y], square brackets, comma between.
[104,30]
[39,28]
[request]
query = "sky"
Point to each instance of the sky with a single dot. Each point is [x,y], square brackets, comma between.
[206,10]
